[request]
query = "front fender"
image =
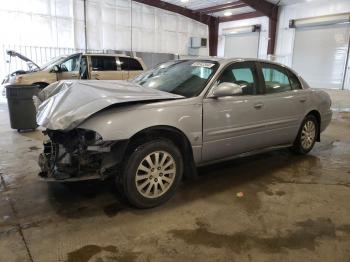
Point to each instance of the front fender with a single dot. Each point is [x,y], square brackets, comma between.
[123,122]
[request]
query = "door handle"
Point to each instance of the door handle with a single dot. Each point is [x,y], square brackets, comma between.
[258,105]
[302,99]
[74,75]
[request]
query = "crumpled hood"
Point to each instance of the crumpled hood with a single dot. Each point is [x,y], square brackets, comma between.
[66,104]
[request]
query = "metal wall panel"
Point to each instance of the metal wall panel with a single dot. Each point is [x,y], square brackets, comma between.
[320,54]
[242,45]
[153,59]
[263,40]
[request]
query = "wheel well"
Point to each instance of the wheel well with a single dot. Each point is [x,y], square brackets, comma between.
[41,84]
[317,115]
[173,134]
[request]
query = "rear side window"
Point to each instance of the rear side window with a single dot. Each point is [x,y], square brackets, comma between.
[130,64]
[103,63]
[276,79]
[294,81]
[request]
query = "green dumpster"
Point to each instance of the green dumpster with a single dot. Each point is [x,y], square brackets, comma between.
[21,106]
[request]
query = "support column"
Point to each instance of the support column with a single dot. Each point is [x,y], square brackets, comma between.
[272,31]
[213,35]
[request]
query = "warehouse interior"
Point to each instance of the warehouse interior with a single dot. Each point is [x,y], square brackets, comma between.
[270,206]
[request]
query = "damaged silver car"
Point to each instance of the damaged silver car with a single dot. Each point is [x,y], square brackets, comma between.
[150,132]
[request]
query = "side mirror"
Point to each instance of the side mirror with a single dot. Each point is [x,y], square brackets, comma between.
[227,89]
[55,69]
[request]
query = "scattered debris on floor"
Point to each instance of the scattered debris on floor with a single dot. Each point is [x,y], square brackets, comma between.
[240,194]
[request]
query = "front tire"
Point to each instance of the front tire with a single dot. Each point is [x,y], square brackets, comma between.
[307,135]
[152,173]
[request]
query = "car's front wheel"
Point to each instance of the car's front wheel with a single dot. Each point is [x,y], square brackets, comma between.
[307,135]
[151,173]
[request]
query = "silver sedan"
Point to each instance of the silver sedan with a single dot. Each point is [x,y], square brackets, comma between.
[152,131]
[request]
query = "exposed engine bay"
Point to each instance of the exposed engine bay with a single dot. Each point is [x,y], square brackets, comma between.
[32,67]
[79,155]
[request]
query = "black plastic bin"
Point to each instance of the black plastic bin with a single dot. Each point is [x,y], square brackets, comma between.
[21,106]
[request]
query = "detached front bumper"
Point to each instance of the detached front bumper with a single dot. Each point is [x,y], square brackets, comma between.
[79,159]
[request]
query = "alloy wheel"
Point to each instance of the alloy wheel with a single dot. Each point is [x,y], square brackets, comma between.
[155,174]
[308,134]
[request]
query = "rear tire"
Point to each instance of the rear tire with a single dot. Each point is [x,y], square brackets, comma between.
[151,174]
[307,135]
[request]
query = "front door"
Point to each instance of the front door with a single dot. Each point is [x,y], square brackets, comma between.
[234,124]
[69,69]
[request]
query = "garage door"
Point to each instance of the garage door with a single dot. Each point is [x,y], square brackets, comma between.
[244,45]
[320,54]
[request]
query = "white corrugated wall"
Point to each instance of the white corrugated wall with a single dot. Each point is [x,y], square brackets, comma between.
[60,24]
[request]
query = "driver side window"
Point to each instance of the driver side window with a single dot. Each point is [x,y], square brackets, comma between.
[242,74]
[72,64]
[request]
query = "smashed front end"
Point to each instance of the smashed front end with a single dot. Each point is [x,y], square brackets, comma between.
[79,154]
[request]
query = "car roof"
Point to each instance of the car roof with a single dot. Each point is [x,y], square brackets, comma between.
[99,54]
[225,61]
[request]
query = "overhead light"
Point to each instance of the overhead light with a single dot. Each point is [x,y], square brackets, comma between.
[227,13]
[184,1]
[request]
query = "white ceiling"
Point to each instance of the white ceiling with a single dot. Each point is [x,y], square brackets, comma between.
[199,4]
[234,11]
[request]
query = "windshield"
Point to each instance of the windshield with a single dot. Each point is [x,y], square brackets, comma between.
[53,61]
[186,77]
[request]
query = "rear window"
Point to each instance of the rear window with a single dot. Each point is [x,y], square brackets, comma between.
[103,63]
[130,64]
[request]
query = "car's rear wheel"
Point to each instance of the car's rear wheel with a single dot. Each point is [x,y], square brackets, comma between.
[152,173]
[307,135]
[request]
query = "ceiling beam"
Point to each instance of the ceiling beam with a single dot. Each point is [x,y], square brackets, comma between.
[200,17]
[240,16]
[262,6]
[218,8]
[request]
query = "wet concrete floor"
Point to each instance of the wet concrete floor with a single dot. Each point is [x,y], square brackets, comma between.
[293,208]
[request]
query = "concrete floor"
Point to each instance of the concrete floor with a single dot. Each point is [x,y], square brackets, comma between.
[294,208]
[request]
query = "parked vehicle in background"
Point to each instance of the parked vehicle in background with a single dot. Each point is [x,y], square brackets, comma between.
[150,132]
[76,66]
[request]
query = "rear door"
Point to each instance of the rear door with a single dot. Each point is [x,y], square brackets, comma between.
[130,67]
[234,124]
[284,103]
[104,67]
